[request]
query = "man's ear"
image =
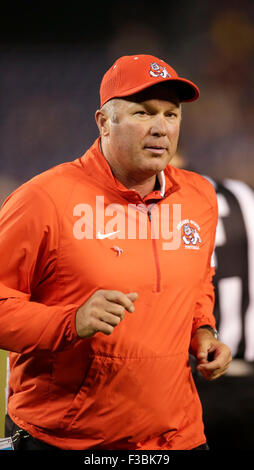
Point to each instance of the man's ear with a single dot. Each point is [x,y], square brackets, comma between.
[102,121]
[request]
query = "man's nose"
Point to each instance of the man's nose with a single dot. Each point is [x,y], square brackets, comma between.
[159,126]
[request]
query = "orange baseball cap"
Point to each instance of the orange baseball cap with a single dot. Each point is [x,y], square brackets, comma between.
[134,73]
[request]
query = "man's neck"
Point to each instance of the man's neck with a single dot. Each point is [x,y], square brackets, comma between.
[141,186]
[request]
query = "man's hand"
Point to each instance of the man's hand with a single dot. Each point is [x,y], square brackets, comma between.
[213,356]
[103,311]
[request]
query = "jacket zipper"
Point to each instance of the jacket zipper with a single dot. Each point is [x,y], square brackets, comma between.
[155,253]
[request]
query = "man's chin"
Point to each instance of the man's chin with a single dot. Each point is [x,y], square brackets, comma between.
[157,165]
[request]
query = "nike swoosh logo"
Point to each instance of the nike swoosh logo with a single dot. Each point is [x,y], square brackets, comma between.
[101,236]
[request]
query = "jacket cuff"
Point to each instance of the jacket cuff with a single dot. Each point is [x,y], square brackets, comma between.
[201,321]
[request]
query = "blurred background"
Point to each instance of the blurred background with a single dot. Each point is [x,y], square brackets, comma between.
[52,58]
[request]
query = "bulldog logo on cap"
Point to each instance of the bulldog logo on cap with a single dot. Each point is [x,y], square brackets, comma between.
[157,70]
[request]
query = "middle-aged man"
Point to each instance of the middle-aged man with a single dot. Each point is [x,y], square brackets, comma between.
[106,280]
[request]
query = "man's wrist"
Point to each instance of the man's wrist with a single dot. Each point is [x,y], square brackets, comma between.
[209,328]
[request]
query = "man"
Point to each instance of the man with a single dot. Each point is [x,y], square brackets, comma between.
[102,299]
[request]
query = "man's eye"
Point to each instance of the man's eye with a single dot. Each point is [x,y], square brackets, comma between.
[141,113]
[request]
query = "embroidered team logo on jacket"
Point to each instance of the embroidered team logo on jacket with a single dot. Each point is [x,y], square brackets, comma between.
[190,234]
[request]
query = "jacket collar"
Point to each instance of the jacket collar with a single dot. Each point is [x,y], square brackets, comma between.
[96,165]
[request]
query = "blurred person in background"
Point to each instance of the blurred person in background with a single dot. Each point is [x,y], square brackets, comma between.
[234,260]
[234,313]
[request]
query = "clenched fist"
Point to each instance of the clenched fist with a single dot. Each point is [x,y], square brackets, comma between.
[103,311]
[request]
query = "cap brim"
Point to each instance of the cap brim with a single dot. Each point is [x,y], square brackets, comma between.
[186,90]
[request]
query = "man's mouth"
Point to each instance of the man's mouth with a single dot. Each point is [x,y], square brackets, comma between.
[157,150]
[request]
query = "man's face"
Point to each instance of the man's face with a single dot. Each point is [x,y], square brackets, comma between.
[143,133]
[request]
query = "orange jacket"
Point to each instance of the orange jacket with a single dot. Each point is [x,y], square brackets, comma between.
[134,388]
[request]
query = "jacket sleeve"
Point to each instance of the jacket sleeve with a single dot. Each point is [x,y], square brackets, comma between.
[203,313]
[29,234]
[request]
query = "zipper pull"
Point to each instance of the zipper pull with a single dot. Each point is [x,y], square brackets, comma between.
[149,214]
